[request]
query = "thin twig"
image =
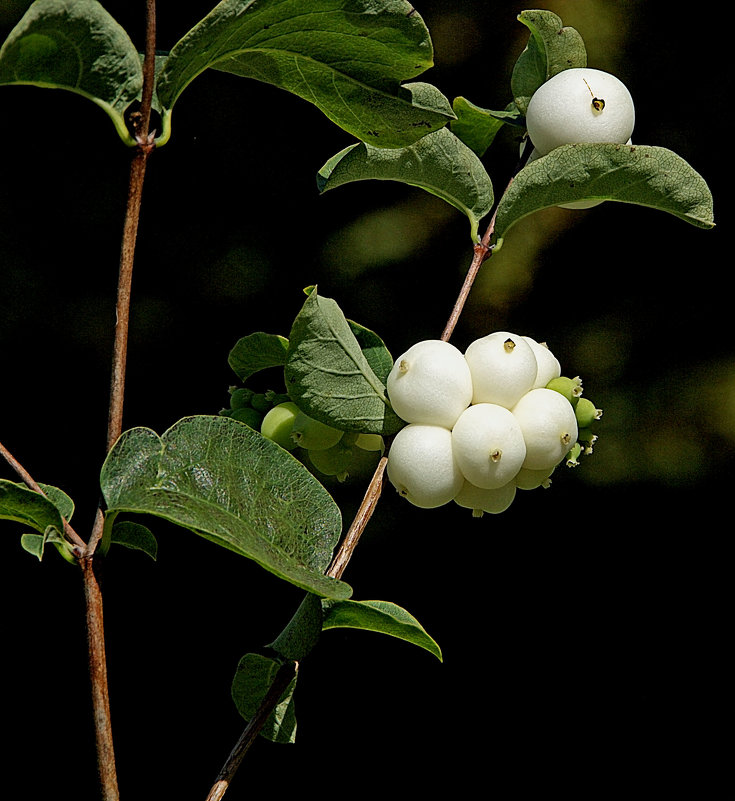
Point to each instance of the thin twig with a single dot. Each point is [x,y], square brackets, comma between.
[282,679]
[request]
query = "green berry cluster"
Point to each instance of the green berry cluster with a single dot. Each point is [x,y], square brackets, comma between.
[585,411]
[328,450]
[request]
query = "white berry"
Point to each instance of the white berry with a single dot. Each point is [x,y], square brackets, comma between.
[503,368]
[488,445]
[548,366]
[421,465]
[580,105]
[430,384]
[549,427]
[481,500]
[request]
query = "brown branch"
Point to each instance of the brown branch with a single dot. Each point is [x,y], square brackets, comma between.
[282,679]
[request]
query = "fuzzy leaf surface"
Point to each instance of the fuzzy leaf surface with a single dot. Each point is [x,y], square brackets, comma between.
[75,45]
[252,680]
[439,163]
[347,57]
[477,126]
[227,483]
[379,616]
[643,175]
[552,47]
[329,377]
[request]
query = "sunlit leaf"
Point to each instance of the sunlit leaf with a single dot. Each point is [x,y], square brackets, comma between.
[643,175]
[347,57]
[378,616]
[440,163]
[229,484]
[328,376]
[75,45]
[552,47]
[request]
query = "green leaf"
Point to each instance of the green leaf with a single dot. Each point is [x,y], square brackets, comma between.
[440,163]
[477,127]
[257,352]
[135,536]
[229,484]
[551,48]
[75,45]
[347,57]
[60,500]
[329,377]
[301,634]
[644,175]
[373,349]
[28,507]
[252,680]
[379,616]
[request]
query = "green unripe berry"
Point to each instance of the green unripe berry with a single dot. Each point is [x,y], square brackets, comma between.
[333,461]
[570,388]
[259,401]
[313,434]
[527,479]
[240,397]
[247,415]
[586,413]
[370,442]
[278,424]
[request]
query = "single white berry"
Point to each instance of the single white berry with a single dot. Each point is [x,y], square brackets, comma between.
[421,465]
[488,445]
[430,384]
[580,105]
[481,500]
[503,368]
[549,427]
[548,366]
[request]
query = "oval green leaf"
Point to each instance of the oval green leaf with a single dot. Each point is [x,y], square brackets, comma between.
[439,163]
[643,175]
[551,48]
[380,616]
[256,352]
[227,483]
[75,45]
[477,127]
[347,57]
[329,377]
[253,678]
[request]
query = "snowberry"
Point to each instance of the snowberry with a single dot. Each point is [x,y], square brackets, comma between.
[482,500]
[580,105]
[586,413]
[488,445]
[430,384]
[549,427]
[422,467]
[277,424]
[527,479]
[503,368]
[548,365]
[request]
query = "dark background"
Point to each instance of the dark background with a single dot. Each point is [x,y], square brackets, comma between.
[583,630]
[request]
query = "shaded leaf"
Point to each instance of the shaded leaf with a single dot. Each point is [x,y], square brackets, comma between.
[75,45]
[477,127]
[440,163]
[60,500]
[301,634]
[30,508]
[644,175]
[252,680]
[347,57]
[379,616]
[229,484]
[134,536]
[551,48]
[256,352]
[328,376]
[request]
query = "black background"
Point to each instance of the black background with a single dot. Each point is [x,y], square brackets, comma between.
[583,630]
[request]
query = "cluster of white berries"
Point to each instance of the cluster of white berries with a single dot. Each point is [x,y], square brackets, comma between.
[483,423]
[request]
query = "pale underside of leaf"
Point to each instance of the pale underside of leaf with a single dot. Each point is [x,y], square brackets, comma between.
[643,175]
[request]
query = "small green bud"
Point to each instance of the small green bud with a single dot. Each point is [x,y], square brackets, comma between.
[247,415]
[573,455]
[259,401]
[240,397]
[570,388]
[586,413]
